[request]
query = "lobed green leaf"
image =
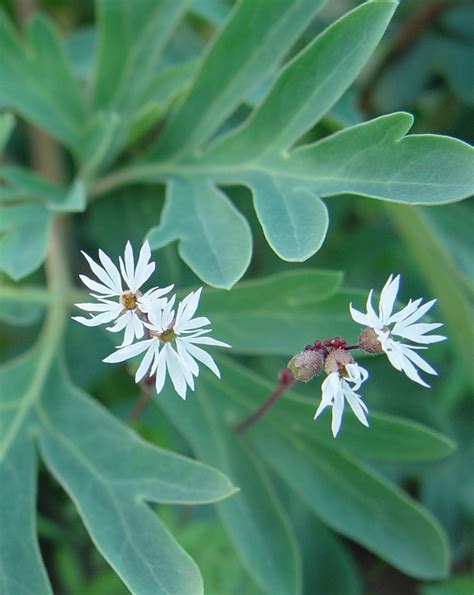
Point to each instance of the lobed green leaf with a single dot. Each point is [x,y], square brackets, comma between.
[344,493]
[107,470]
[215,239]
[24,230]
[231,68]
[254,519]
[309,85]
[37,81]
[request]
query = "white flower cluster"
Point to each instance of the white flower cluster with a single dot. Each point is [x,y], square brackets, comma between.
[169,337]
[403,324]
[345,376]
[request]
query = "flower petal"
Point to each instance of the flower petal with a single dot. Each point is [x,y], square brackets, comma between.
[195,323]
[175,372]
[130,265]
[144,268]
[100,307]
[124,274]
[416,332]
[419,312]
[129,331]
[358,317]
[387,298]
[418,361]
[120,324]
[405,312]
[187,308]
[124,353]
[98,287]
[99,272]
[103,318]
[145,364]
[111,269]
[329,389]
[203,357]
[204,341]
[374,320]
[159,368]
[187,359]
[137,327]
[357,405]
[337,411]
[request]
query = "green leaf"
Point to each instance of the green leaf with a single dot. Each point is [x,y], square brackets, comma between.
[158,95]
[459,585]
[18,313]
[100,142]
[401,84]
[372,159]
[452,227]
[359,504]
[294,220]
[389,438]
[254,518]
[222,570]
[215,239]
[214,11]
[79,47]
[310,84]
[345,494]
[454,59]
[232,68]
[109,472]
[375,159]
[37,81]
[24,233]
[26,185]
[282,313]
[130,44]
[7,123]
[21,570]
[436,265]
[328,565]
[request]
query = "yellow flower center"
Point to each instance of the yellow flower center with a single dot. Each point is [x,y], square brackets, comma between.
[128,300]
[167,336]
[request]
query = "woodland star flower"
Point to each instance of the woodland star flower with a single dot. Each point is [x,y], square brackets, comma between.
[127,309]
[337,389]
[403,357]
[172,346]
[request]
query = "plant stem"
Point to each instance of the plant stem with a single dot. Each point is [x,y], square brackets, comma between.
[265,406]
[143,399]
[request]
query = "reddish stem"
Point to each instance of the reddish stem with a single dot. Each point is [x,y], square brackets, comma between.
[284,384]
[143,399]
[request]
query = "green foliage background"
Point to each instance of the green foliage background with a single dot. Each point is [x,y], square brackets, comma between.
[250,143]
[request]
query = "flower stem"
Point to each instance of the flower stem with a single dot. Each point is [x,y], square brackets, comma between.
[349,347]
[143,399]
[284,383]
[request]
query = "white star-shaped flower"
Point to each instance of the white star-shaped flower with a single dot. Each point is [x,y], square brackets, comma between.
[337,389]
[403,357]
[172,346]
[131,303]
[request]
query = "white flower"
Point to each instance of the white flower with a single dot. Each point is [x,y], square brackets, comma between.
[131,302]
[337,390]
[402,357]
[166,329]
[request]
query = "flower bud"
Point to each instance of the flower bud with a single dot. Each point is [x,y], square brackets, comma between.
[369,342]
[336,360]
[306,365]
